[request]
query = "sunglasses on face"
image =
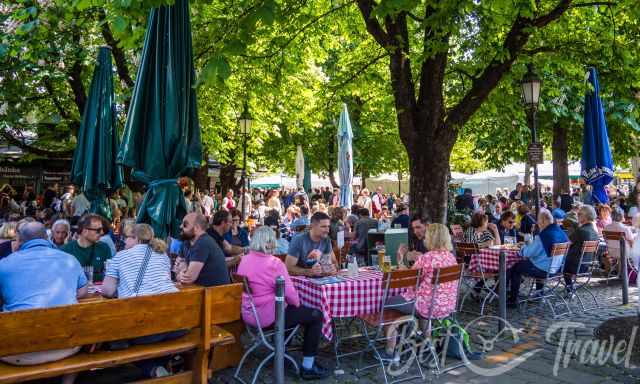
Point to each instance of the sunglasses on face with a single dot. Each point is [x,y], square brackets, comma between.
[96,230]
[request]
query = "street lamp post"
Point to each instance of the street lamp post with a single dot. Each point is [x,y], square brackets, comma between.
[245,123]
[531,98]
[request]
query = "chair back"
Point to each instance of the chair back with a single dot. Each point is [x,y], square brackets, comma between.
[248,293]
[408,278]
[558,255]
[612,238]
[441,276]
[282,256]
[464,251]
[587,257]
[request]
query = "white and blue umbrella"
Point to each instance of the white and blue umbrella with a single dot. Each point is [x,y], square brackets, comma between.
[345,158]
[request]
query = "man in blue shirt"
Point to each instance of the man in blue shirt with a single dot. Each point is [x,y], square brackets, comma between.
[39,276]
[537,260]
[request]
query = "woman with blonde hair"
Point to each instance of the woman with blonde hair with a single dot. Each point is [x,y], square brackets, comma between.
[438,241]
[8,238]
[142,269]
[364,200]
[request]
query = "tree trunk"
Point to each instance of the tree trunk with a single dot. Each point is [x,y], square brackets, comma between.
[560,160]
[332,178]
[201,176]
[364,176]
[227,178]
[428,183]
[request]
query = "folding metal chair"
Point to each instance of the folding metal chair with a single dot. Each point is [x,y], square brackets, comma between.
[389,317]
[475,281]
[464,251]
[588,261]
[261,337]
[613,253]
[554,278]
[440,276]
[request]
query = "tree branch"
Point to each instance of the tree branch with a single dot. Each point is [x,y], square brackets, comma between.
[32,149]
[298,32]
[356,74]
[75,78]
[495,70]
[372,24]
[607,3]
[118,53]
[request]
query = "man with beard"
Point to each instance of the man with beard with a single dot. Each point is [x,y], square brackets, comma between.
[203,259]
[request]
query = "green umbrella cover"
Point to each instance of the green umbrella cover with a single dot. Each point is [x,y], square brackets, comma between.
[162,134]
[94,159]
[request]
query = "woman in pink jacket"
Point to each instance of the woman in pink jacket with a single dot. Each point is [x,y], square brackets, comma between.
[261,268]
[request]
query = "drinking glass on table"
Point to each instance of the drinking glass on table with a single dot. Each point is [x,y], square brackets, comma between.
[88,272]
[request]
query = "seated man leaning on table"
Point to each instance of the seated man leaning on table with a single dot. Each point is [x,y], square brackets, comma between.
[537,256]
[26,279]
[310,253]
[416,247]
[201,260]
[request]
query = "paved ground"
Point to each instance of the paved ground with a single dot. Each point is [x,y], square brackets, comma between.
[535,357]
[542,356]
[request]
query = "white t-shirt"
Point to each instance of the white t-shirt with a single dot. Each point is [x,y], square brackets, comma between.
[80,205]
[125,266]
[207,205]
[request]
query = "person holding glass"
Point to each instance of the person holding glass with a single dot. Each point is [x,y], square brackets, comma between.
[310,253]
[506,228]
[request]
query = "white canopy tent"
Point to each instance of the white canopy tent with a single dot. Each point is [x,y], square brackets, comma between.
[488,182]
[280,180]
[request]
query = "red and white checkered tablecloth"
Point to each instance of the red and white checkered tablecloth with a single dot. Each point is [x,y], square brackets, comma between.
[489,259]
[354,296]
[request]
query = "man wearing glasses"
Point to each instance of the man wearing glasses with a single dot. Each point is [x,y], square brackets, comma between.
[506,228]
[90,252]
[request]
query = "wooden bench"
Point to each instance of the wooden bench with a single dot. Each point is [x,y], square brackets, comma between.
[197,309]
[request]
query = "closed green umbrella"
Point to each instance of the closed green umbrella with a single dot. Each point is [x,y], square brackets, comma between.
[162,134]
[94,166]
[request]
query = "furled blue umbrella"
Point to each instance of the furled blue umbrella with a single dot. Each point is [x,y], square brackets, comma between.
[94,166]
[345,158]
[162,135]
[597,164]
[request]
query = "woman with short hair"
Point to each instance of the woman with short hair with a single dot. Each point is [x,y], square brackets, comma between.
[261,268]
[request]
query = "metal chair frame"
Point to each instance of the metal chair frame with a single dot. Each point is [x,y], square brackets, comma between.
[261,337]
[470,280]
[391,280]
[550,284]
[615,262]
[589,248]
[441,276]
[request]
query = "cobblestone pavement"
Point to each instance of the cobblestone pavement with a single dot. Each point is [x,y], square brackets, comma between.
[539,357]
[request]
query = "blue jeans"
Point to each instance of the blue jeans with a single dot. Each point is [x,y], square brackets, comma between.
[514,276]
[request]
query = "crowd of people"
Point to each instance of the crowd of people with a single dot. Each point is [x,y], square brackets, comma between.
[55,233]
